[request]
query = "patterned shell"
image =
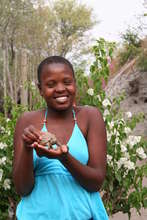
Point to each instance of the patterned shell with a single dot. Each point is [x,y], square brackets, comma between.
[49,139]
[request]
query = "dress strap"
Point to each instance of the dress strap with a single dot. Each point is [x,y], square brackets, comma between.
[45,118]
[74,115]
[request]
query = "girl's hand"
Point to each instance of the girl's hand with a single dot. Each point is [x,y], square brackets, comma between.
[31,135]
[50,153]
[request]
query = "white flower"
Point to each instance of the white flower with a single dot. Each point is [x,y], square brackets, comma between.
[99,97]
[106,112]
[141,153]
[3,145]
[123,148]
[33,83]
[8,132]
[116,140]
[2,129]
[108,136]
[127,155]
[121,162]
[129,114]
[125,173]
[132,140]
[111,124]
[106,103]
[1,174]
[90,92]
[115,132]
[137,139]
[109,159]
[8,119]
[3,160]
[129,165]
[7,183]
[127,130]
[121,121]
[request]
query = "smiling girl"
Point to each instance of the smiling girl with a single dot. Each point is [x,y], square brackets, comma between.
[60,183]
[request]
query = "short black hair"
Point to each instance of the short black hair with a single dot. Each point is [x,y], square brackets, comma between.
[50,60]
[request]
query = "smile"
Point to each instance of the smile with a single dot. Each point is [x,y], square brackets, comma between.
[61,99]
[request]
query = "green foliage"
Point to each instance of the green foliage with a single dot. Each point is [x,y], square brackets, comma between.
[37,30]
[82,86]
[131,46]
[131,38]
[36,101]
[70,21]
[142,60]
[123,187]
[8,196]
[52,28]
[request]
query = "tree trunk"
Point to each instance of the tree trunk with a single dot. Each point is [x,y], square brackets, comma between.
[8,73]
[15,78]
[24,89]
[4,75]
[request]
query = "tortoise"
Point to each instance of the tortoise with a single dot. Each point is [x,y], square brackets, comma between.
[48,140]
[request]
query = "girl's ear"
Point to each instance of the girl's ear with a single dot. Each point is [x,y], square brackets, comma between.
[39,87]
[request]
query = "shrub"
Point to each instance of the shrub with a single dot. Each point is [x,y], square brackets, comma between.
[131,46]
[123,188]
[142,60]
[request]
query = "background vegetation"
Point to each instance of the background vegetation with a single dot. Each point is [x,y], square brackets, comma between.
[30,31]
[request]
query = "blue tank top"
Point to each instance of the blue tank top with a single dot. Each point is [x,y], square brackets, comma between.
[56,194]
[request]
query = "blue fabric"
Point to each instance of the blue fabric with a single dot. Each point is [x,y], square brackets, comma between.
[56,194]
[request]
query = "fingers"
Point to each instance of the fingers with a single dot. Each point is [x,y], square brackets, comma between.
[31,134]
[49,153]
[64,148]
[56,151]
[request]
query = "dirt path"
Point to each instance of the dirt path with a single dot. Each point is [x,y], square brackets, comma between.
[120,216]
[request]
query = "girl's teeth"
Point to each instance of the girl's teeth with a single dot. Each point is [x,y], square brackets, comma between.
[61,99]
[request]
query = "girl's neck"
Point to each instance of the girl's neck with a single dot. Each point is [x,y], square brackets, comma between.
[61,114]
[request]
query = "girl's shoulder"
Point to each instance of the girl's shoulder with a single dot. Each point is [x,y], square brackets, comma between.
[88,116]
[89,111]
[32,114]
[31,117]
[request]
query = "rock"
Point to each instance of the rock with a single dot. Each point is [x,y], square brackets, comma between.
[134,83]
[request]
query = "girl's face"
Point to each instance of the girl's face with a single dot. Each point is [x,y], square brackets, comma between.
[58,86]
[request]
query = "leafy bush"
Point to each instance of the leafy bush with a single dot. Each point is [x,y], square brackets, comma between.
[142,60]
[123,188]
[8,197]
[131,47]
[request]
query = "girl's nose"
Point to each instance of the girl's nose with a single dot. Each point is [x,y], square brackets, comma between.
[60,87]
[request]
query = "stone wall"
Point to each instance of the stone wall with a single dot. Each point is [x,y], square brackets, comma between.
[134,83]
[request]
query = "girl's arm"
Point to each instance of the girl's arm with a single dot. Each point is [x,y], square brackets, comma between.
[91,176]
[23,176]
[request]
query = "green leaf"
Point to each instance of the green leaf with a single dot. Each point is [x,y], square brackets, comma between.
[145,203]
[145,170]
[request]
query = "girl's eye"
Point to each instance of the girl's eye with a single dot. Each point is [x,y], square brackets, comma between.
[51,84]
[67,82]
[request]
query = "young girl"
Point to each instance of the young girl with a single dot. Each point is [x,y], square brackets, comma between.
[60,183]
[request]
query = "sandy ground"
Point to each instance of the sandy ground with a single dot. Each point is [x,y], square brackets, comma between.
[120,216]
[134,216]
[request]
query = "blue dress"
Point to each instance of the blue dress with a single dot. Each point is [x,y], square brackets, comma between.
[56,194]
